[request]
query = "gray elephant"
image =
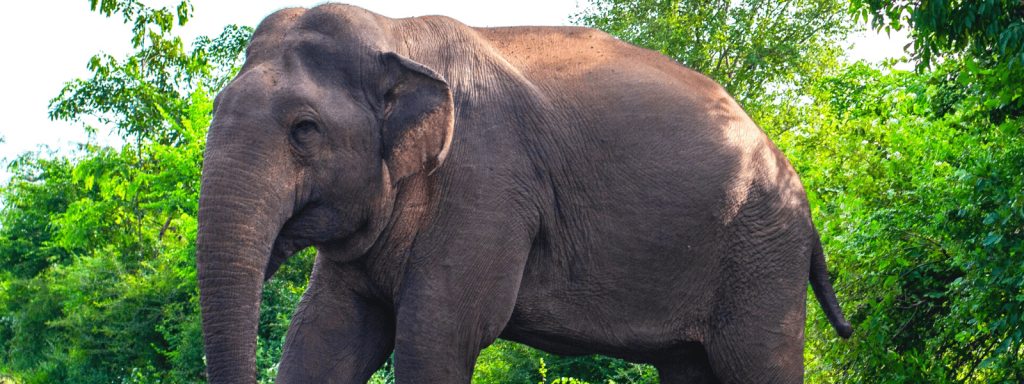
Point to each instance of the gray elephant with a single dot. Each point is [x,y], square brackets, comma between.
[550,186]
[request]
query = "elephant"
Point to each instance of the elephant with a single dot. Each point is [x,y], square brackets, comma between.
[552,186]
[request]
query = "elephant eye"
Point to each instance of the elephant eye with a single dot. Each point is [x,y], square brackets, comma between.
[303,134]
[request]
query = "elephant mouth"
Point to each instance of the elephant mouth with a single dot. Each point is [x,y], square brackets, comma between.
[283,249]
[313,226]
[288,242]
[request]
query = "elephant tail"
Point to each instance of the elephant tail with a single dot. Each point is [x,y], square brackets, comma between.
[823,291]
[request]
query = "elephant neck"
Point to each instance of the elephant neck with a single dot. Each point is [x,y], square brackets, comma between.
[413,204]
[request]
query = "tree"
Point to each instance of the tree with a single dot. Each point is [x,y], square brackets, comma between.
[98,272]
[986,38]
[918,204]
[980,28]
[928,237]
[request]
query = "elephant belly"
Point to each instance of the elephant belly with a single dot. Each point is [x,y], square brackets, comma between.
[646,292]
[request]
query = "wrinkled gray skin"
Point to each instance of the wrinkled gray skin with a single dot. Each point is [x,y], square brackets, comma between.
[551,186]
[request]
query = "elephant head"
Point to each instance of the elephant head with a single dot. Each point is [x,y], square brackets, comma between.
[308,146]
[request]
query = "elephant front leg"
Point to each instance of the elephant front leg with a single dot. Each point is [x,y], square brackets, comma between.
[438,341]
[338,333]
[453,305]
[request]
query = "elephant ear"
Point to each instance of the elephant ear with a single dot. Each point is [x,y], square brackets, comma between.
[418,121]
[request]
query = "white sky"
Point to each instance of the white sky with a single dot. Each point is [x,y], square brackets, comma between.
[44,47]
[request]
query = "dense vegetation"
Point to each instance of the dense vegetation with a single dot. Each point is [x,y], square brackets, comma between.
[916,181]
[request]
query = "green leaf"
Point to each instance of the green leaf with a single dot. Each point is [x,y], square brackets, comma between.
[972,67]
[992,240]
[889,281]
[1009,128]
[987,363]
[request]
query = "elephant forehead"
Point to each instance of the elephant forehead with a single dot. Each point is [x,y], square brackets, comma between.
[251,90]
[252,102]
[342,21]
[327,34]
[275,94]
[265,85]
[271,30]
[322,60]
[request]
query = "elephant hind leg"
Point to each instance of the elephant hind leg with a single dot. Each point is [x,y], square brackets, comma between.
[689,365]
[760,349]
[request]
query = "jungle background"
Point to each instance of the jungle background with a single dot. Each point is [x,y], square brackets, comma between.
[916,182]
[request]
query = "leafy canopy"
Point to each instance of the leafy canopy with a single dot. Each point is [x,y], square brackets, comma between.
[97,269]
[985,36]
[919,205]
[979,28]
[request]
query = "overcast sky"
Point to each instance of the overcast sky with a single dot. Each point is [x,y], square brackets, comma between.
[46,46]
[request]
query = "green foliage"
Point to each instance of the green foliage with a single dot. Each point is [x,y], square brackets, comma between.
[280,297]
[987,36]
[97,264]
[918,180]
[116,295]
[513,363]
[38,187]
[919,200]
[506,362]
[979,28]
[145,18]
[146,92]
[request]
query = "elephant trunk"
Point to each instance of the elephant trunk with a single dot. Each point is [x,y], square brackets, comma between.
[241,211]
[230,294]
